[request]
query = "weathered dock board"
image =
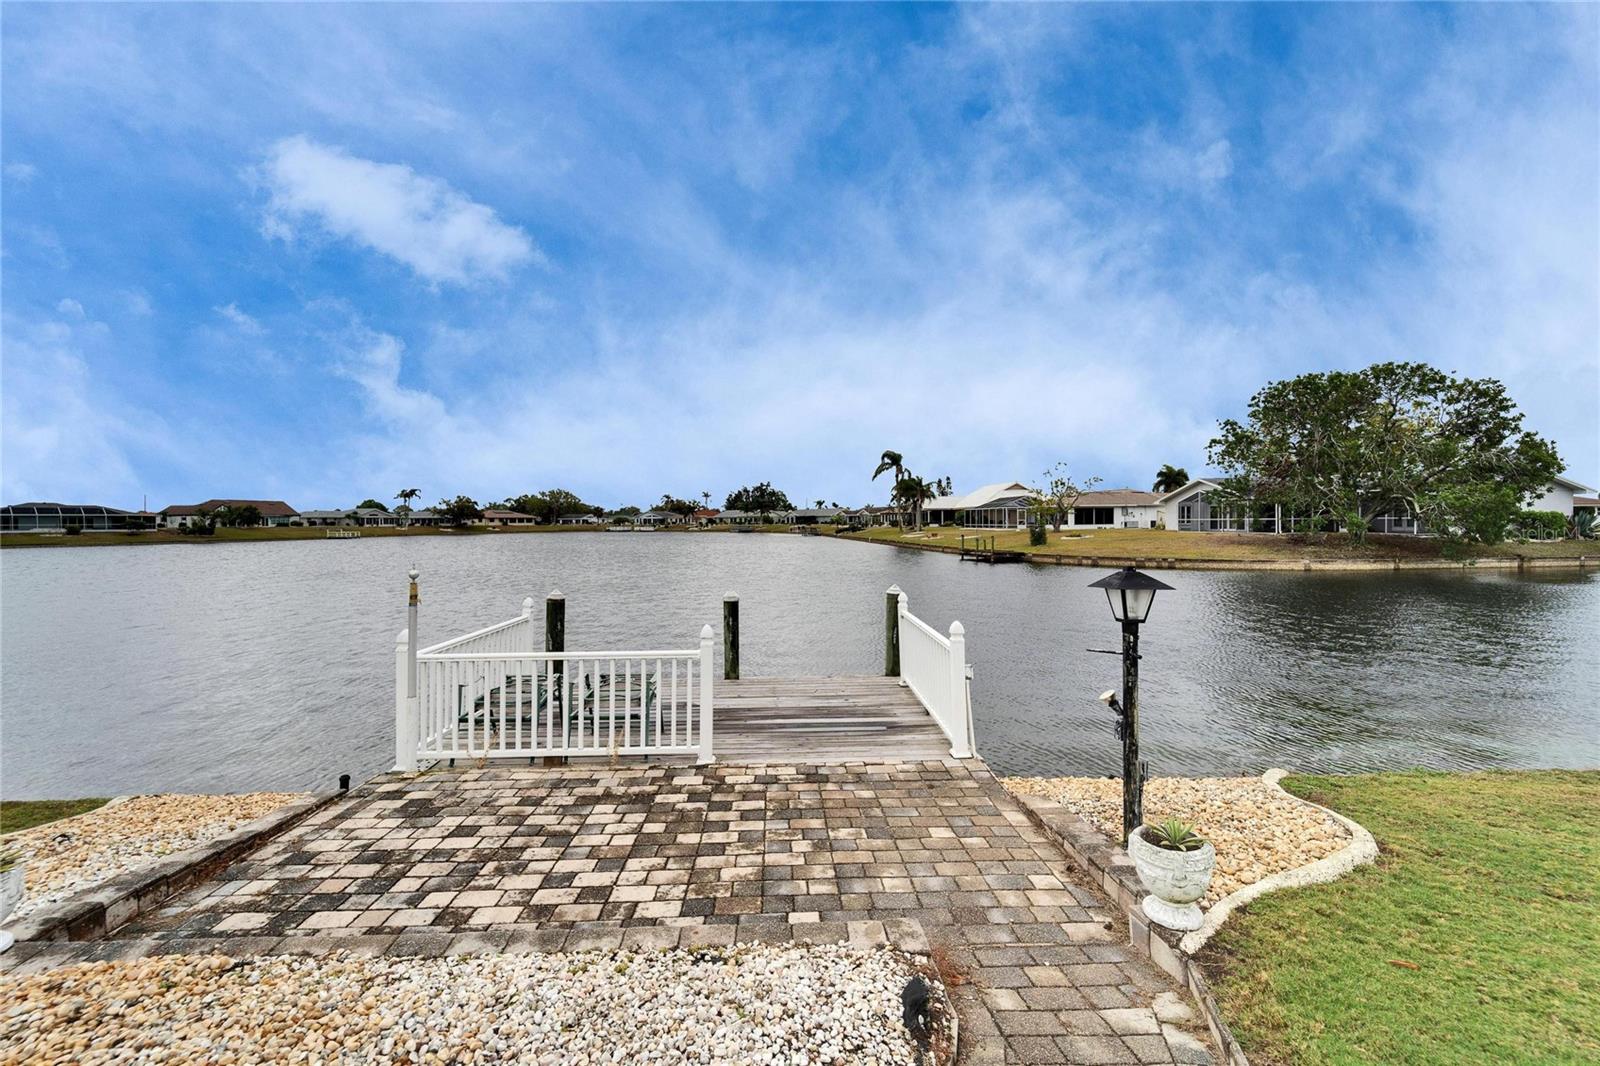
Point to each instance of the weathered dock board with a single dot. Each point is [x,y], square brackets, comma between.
[823,719]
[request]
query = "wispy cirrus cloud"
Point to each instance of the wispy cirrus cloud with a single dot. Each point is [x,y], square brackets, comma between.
[241,321]
[421,221]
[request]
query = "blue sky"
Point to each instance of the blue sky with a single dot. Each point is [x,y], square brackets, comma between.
[320,253]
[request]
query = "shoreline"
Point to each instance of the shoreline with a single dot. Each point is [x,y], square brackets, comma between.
[1152,562]
[1287,562]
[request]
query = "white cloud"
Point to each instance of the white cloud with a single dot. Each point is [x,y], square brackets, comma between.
[242,322]
[372,360]
[137,301]
[70,308]
[21,173]
[421,221]
[63,437]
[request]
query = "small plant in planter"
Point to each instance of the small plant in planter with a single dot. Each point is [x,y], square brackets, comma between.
[1175,864]
[11,873]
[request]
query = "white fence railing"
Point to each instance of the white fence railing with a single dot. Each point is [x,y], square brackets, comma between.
[490,694]
[934,667]
[514,634]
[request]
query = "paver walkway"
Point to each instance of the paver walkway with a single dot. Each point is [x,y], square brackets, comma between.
[923,854]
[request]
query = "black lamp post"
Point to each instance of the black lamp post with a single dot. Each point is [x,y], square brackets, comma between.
[1130,593]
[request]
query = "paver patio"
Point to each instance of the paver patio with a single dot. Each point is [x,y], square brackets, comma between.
[923,855]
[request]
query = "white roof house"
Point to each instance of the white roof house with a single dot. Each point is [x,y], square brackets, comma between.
[1002,505]
[1560,495]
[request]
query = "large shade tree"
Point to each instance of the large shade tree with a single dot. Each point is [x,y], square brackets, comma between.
[457,512]
[758,499]
[548,506]
[1348,446]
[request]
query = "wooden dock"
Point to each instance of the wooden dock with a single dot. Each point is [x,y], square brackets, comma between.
[823,719]
[983,550]
[493,694]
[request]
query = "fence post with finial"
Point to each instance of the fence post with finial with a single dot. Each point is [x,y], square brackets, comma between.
[407,706]
[891,632]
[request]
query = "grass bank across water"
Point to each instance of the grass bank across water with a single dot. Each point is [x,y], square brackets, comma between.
[1246,548]
[1471,941]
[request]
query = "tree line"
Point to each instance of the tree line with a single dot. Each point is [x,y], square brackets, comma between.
[1334,450]
[549,506]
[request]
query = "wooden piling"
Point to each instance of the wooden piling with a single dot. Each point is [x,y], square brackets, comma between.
[555,639]
[730,637]
[555,622]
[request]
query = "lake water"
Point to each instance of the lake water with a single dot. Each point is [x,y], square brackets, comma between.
[224,667]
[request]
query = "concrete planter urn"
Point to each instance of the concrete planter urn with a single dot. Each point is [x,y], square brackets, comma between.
[1174,879]
[10,896]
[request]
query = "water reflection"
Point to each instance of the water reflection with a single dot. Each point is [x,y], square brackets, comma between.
[219,667]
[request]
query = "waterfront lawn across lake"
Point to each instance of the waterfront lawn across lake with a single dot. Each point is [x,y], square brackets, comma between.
[25,814]
[1471,940]
[1175,544]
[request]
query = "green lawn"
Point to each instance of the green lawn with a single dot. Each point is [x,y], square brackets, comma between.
[1175,544]
[25,814]
[1475,939]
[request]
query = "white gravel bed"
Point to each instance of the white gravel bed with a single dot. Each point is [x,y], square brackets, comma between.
[754,1004]
[1256,830]
[72,854]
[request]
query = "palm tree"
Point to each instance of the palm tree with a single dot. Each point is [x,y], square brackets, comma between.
[706,498]
[405,496]
[821,504]
[1171,477]
[896,462]
[910,491]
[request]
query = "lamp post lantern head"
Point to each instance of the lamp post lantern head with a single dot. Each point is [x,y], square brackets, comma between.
[1130,593]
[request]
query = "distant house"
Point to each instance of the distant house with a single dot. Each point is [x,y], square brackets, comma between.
[273,512]
[53,517]
[863,517]
[355,516]
[584,519]
[1198,506]
[752,518]
[706,516]
[810,516]
[659,518]
[1116,509]
[494,516]
[1003,505]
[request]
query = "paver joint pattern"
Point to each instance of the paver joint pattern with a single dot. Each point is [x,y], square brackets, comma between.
[933,853]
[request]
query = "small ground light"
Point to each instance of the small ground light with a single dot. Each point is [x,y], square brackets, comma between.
[344,782]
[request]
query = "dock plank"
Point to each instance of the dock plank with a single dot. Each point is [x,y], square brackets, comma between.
[823,719]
